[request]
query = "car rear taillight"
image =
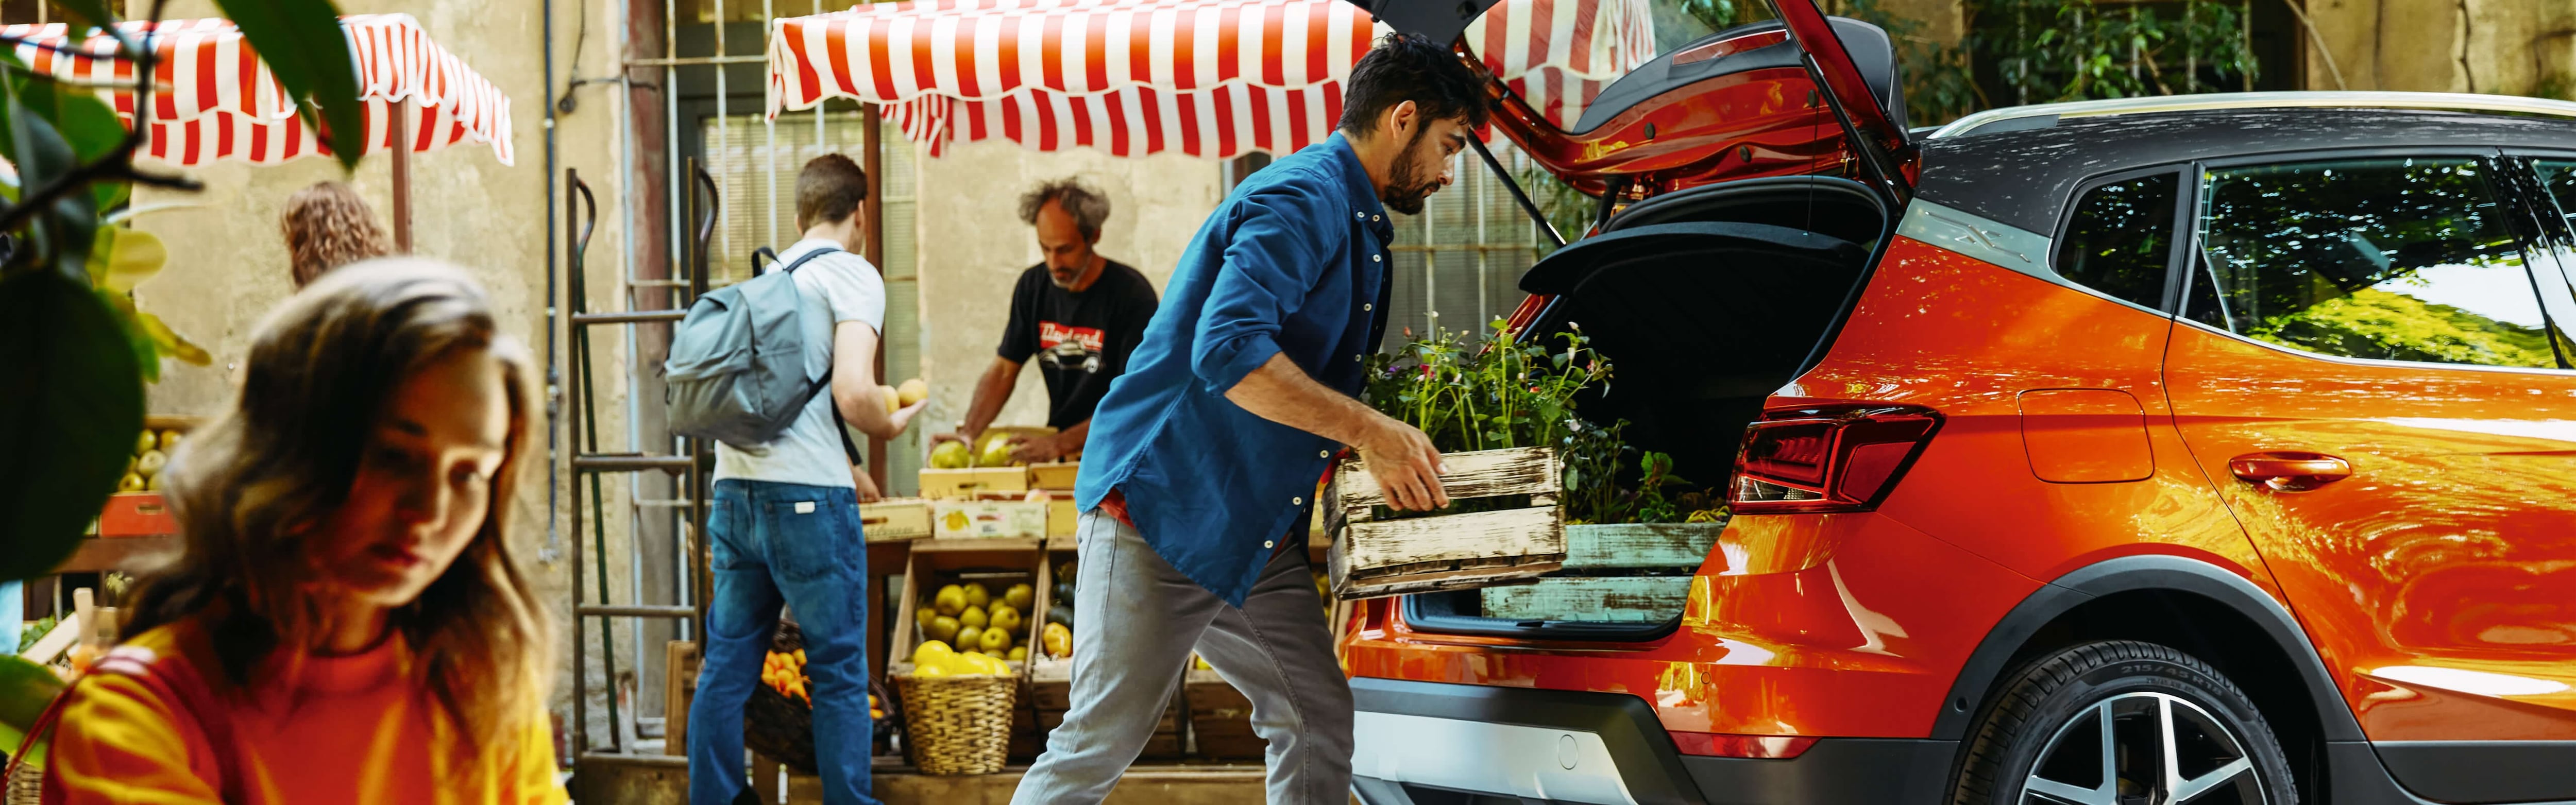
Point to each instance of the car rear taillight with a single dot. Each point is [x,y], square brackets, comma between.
[1714,744]
[1827,459]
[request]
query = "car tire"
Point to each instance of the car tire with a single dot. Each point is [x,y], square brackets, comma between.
[2040,740]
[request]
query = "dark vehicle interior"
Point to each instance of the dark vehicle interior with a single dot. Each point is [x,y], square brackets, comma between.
[1705,302]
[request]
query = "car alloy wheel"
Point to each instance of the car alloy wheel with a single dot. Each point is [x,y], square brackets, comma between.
[2138,748]
[2122,722]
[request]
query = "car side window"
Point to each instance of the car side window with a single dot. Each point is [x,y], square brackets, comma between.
[2120,238]
[2560,177]
[2404,259]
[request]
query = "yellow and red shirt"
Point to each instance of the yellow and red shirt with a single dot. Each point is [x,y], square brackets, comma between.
[357,728]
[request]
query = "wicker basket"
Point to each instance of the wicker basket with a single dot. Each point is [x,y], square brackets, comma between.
[958,724]
[782,729]
[24,788]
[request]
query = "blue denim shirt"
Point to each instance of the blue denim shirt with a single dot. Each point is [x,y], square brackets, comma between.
[1293,262]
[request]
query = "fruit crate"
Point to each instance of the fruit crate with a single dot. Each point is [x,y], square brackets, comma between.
[1370,557]
[1220,718]
[988,519]
[1628,573]
[972,482]
[1055,477]
[895,519]
[1050,703]
[996,563]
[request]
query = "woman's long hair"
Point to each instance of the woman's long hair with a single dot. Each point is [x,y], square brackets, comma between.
[328,226]
[249,489]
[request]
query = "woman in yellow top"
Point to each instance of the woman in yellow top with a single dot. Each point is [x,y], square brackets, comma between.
[346,623]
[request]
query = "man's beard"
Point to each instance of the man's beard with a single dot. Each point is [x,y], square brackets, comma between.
[1411,180]
[1063,281]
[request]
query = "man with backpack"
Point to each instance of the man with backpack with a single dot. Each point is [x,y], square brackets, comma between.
[784,520]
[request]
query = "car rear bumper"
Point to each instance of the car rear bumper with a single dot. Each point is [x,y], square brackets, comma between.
[1421,743]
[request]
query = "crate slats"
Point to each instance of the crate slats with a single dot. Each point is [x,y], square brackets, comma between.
[1475,535]
[1370,557]
[1639,546]
[1480,474]
[1632,599]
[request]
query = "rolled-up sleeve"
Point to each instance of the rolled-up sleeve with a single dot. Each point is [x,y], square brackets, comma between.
[1273,261]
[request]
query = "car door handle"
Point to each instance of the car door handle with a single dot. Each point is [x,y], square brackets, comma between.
[2289,471]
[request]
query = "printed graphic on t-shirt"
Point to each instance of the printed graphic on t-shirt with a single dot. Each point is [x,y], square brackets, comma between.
[1063,347]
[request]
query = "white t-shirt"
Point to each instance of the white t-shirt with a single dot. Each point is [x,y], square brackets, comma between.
[833,288]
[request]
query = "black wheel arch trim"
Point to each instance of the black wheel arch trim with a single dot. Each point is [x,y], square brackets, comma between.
[1979,677]
[1648,763]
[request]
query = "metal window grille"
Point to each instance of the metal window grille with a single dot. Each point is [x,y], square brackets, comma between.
[1458,265]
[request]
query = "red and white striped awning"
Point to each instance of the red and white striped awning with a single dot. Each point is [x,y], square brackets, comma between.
[218,101]
[1210,78]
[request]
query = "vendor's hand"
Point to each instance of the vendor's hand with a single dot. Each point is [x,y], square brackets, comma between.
[1040,450]
[960,438]
[867,485]
[1406,466]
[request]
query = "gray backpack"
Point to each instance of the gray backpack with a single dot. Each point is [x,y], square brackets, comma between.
[737,368]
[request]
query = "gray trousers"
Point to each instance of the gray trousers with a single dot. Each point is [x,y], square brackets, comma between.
[1136,622]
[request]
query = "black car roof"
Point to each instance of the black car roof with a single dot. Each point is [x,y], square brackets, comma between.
[2023,177]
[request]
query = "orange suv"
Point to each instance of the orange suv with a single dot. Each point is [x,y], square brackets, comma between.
[2217,449]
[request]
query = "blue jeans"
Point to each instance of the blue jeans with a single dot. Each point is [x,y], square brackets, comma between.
[799,545]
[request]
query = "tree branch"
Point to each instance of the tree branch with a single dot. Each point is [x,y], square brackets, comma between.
[119,163]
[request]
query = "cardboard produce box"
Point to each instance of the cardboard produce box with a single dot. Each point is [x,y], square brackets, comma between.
[986,519]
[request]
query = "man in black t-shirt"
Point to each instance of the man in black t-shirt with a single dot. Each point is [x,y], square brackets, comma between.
[1078,314]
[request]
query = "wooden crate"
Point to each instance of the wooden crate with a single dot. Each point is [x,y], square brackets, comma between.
[1167,742]
[1369,558]
[137,514]
[1630,573]
[1220,718]
[969,483]
[1062,518]
[895,519]
[998,563]
[1054,477]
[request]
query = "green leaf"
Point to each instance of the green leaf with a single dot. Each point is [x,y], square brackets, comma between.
[171,343]
[69,421]
[147,354]
[86,12]
[92,129]
[303,46]
[25,689]
[133,256]
[61,238]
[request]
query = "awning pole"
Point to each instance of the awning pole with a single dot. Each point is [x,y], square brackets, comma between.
[1517,194]
[402,175]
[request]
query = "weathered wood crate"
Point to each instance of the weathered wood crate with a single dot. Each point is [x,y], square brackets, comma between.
[1371,558]
[1620,573]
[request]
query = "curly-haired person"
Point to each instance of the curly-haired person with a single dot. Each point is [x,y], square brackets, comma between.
[328,226]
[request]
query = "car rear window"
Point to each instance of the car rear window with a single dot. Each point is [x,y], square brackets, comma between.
[2395,259]
[2120,238]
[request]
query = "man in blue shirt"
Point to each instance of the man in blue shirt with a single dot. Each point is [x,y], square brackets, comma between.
[1201,465]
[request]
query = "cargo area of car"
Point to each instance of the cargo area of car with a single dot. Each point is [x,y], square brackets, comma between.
[1705,301]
